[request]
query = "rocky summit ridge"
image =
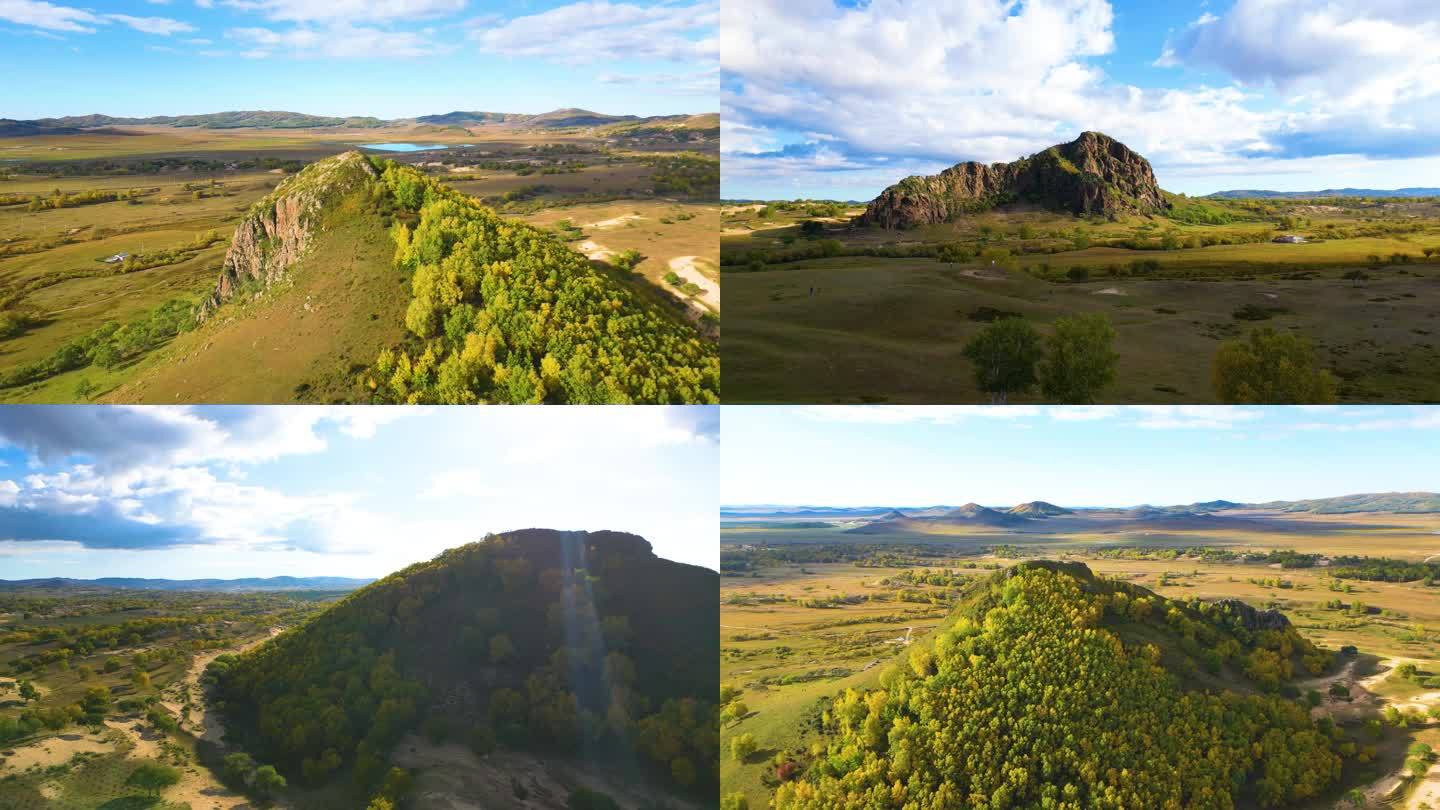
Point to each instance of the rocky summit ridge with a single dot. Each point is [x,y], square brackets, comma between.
[276,231]
[1093,174]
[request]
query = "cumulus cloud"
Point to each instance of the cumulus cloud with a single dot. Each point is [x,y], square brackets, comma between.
[926,85]
[599,30]
[49,16]
[1365,75]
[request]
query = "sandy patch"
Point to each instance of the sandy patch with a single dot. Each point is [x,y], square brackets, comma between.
[613,222]
[54,751]
[684,267]
[594,252]
[1110,291]
[10,688]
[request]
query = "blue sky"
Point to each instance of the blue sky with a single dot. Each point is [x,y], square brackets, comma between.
[212,491]
[1073,456]
[840,99]
[386,58]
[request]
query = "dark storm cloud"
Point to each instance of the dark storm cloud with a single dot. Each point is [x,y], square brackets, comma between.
[112,436]
[100,528]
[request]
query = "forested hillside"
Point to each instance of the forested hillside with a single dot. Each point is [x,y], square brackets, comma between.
[1050,687]
[575,644]
[501,311]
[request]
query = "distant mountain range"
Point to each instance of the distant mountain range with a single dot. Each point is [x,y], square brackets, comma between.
[567,118]
[227,585]
[1384,502]
[1246,194]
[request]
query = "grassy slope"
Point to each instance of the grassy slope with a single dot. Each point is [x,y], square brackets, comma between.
[892,329]
[342,303]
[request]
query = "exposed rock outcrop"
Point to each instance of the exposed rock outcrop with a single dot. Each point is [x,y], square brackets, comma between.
[1093,174]
[1252,619]
[277,230]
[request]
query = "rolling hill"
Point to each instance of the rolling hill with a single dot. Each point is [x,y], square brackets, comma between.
[226,585]
[359,279]
[566,118]
[1048,686]
[1039,509]
[1246,194]
[573,645]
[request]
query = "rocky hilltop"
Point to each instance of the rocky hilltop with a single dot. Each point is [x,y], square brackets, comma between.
[1093,174]
[276,231]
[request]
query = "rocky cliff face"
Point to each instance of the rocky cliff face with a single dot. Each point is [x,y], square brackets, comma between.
[278,229]
[1093,174]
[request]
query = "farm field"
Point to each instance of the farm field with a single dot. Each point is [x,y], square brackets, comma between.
[824,310]
[114,235]
[815,605]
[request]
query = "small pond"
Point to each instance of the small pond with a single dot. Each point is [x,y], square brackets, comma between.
[404,147]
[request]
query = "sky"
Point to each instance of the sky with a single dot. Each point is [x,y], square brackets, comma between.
[1074,455]
[357,491]
[383,58]
[838,99]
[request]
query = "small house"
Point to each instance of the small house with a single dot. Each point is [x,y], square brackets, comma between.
[118,257]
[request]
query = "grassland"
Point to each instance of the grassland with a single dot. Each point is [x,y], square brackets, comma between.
[133,660]
[182,191]
[809,610]
[835,313]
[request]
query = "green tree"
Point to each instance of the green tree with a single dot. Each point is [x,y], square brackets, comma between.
[240,767]
[742,746]
[267,781]
[152,777]
[734,801]
[1270,368]
[1004,355]
[1080,359]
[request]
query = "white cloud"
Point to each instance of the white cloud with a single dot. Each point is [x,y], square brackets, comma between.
[122,437]
[64,18]
[931,84]
[348,11]
[1192,417]
[49,16]
[340,41]
[599,30]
